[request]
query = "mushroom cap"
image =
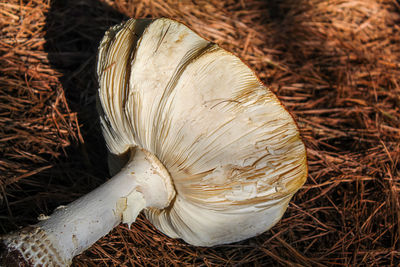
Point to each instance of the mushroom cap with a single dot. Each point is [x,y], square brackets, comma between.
[232,150]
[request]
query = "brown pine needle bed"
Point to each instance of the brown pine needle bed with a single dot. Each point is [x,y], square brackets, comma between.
[335,64]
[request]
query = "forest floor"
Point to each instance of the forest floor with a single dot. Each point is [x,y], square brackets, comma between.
[335,65]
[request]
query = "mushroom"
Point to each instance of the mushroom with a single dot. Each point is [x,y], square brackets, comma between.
[208,152]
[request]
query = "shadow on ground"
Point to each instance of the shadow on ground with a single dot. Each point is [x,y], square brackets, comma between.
[73,33]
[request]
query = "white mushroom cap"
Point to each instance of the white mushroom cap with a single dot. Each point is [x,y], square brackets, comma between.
[233,152]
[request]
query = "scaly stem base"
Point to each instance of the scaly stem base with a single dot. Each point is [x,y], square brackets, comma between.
[71,229]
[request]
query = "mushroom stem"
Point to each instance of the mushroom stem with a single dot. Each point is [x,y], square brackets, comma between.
[143,182]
